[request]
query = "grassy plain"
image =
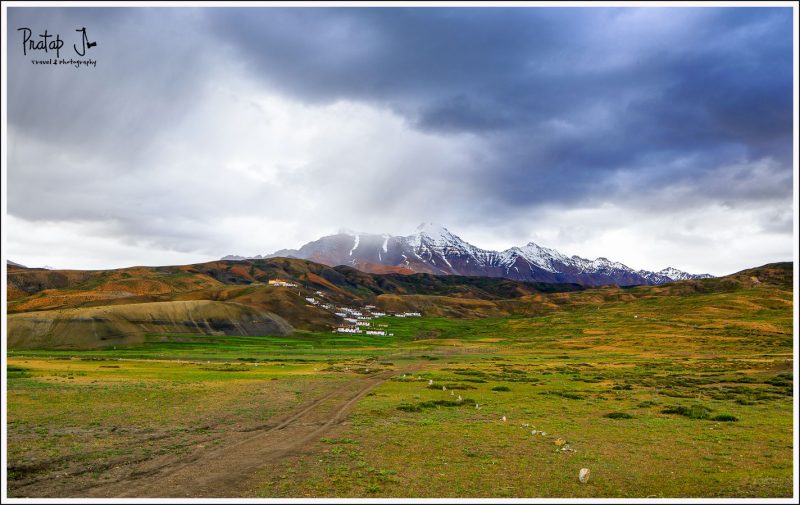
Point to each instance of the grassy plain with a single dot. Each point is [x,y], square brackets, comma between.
[662,396]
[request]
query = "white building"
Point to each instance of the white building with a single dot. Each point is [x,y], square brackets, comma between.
[282,283]
[375,332]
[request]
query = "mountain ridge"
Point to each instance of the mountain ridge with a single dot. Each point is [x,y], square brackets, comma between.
[435,250]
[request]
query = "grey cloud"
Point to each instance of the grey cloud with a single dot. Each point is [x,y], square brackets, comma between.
[722,84]
[149,71]
[520,111]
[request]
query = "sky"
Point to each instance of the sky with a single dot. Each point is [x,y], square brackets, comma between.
[652,136]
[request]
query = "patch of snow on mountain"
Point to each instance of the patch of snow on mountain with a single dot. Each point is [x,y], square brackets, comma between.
[445,260]
[605,265]
[674,274]
[542,257]
[434,238]
[679,275]
[355,246]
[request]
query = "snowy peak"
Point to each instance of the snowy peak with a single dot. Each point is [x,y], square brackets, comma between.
[431,228]
[434,249]
[679,275]
[673,273]
[437,246]
[542,257]
[434,231]
[438,236]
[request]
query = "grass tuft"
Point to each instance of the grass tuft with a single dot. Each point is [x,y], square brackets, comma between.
[692,412]
[618,415]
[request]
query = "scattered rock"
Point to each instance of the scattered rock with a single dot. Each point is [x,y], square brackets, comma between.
[504,418]
[583,476]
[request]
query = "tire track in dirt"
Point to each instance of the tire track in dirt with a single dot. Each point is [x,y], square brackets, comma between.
[226,470]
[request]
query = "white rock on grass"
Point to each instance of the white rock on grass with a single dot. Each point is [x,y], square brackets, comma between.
[583,476]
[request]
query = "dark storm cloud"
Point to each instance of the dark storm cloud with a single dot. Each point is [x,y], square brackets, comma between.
[715,85]
[306,120]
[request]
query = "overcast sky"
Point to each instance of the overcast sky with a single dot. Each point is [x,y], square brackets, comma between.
[652,136]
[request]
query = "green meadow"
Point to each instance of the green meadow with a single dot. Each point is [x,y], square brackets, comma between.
[658,396]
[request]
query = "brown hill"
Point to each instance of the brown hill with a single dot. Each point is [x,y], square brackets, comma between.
[76,308]
[105,326]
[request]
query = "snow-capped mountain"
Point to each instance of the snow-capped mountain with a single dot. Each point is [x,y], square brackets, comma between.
[434,249]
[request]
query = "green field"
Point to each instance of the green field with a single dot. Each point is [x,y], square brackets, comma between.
[685,395]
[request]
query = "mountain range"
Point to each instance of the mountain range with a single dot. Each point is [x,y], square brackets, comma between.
[434,249]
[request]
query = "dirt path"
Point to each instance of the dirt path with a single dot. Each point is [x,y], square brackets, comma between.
[224,471]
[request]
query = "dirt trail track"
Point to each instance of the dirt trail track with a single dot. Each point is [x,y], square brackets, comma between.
[225,471]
